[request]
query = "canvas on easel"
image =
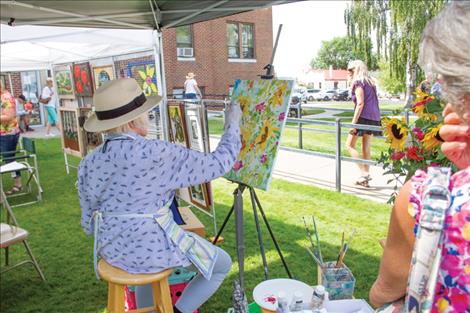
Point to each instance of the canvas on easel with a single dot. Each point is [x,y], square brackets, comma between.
[71,137]
[264,105]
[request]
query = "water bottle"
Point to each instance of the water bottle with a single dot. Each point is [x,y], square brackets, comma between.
[282,303]
[297,302]
[317,298]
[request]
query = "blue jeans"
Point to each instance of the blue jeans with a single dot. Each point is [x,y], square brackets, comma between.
[198,291]
[8,145]
[190,96]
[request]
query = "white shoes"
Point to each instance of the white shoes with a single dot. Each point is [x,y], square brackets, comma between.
[50,135]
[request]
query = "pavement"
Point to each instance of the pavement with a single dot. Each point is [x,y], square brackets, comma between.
[307,169]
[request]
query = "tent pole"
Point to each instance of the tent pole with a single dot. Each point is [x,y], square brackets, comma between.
[160,69]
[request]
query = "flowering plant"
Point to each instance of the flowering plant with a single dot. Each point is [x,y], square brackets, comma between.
[415,145]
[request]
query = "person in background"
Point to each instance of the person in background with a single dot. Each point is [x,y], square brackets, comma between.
[23,111]
[9,133]
[49,99]
[127,185]
[436,89]
[191,90]
[444,48]
[425,85]
[366,112]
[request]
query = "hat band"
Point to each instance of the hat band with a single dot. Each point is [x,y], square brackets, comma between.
[126,108]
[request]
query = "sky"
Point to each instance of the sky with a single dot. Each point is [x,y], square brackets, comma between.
[305,25]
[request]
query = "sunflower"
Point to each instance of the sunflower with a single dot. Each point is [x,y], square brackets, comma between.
[148,86]
[396,132]
[267,131]
[278,98]
[244,137]
[244,103]
[432,139]
[422,99]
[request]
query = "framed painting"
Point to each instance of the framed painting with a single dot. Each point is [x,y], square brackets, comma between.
[199,196]
[64,82]
[82,79]
[264,105]
[145,75]
[90,140]
[194,125]
[176,125]
[102,74]
[72,142]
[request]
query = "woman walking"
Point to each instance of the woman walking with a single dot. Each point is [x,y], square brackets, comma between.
[366,112]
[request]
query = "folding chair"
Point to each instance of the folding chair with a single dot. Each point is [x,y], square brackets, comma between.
[12,234]
[21,162]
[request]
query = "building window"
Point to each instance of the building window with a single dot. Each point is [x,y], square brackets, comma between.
[184,41]
[240,47]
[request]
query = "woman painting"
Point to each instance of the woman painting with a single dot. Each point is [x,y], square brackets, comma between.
[127,184]
[444,48]
[366,112]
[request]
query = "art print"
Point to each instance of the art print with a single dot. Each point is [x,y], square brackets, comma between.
[264,105]
[82,79]
[71,137]
[145,75]
[103,74]
[194,123]
[91,139]
[200,196]
[64,82]
[176,125]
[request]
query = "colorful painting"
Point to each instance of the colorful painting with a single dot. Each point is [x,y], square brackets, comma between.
[200,197]
[64,82]
[82,78]
[264,105]
[145,75]
[176,125]
[194,123]
[102,74]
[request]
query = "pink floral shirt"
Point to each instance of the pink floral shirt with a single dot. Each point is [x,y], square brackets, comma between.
[453,283]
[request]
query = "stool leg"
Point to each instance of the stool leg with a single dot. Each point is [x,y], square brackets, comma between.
[110,298]
[119,306]
[161,295]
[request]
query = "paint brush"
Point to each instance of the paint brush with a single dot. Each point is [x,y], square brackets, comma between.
[341,249]
[316,237]
[314,257]
[309,234]
[348,244]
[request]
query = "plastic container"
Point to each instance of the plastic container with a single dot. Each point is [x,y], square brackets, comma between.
[338,281]
[180,275]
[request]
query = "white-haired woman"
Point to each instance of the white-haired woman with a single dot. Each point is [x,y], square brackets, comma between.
[444,49]
[366,112]
[126,187]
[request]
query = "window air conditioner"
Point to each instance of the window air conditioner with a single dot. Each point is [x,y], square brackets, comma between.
[184,52]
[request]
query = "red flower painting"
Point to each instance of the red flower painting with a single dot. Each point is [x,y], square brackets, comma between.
[82,78]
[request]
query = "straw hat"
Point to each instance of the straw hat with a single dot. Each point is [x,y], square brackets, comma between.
[118,102]
[190,75]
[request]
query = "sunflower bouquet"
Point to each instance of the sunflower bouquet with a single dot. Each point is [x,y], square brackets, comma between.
[415,145]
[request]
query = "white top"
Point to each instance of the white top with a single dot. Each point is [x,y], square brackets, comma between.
[190,86]
[49,92]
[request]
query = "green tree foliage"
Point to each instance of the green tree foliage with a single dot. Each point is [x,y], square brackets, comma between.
[336,52]
[397,26]
[388,81]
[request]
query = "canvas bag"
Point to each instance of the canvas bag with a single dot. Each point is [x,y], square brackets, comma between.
[426,257]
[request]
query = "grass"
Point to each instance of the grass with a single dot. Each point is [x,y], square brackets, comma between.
[313,140]
[350,105]
[65,254]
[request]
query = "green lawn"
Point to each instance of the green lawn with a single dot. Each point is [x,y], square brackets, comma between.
[65,254]
[313,140]
[385,107]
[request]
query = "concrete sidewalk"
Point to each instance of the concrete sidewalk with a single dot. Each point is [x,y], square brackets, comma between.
[307,169]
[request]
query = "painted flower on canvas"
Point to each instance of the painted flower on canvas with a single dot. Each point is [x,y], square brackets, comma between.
[148,85]
[264,105]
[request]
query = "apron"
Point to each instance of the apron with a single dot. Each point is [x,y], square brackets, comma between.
[200,252]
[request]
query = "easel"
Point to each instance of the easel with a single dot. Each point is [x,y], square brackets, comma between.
[237,207]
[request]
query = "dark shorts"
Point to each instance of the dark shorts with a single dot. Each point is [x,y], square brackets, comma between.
[365,121]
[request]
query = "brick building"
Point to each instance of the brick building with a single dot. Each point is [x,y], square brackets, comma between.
[211,50]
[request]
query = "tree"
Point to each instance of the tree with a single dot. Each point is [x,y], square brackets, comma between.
[397,25]
[388,81]
[336,52]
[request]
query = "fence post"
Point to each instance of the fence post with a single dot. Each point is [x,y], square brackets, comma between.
[338,154]
[299,115]
[407,116]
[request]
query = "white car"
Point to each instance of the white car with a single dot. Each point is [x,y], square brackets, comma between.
[324,95]
[311,94]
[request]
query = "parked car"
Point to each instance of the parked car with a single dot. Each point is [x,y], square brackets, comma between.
[342,95]
[326,95]
[311,93]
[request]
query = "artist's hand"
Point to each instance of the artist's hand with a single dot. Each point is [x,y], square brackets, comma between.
[233,113]
[456,134]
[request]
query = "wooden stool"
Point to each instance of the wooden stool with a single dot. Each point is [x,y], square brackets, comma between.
[117,279]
